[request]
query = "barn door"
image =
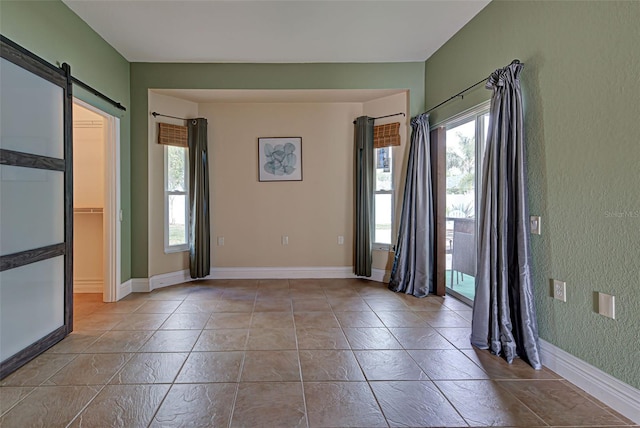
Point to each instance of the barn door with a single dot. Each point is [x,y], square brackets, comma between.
[36,211]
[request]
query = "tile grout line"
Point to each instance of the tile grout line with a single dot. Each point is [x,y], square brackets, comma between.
[295,332]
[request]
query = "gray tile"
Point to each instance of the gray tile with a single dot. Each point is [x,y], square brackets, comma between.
[484,403]
[10,395]
[342,404]
[559,404]
[229,320]
[37,371]
[151,368]
[224,339]
[420,338]
[269,404]
[389,365]
[271,338]
[321,338]
[122,406]
[49,406]
[371,338]
[325,365]
[90,369]
[271,366]
[171,341]
[119,341]
[445,364]
[196,405]
[415,404]
[315,320]
[211,367]
[195,321]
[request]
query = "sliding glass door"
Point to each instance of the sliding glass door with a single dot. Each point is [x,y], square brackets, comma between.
[465,139]
[35,206]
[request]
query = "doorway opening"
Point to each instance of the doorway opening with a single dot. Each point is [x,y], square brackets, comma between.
[96,202]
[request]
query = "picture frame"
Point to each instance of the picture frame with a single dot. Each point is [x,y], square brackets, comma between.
[280,159]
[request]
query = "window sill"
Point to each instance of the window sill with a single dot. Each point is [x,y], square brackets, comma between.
[381,247]
[176,249]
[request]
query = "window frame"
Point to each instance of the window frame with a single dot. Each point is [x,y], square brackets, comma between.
[381,246]
[167,193]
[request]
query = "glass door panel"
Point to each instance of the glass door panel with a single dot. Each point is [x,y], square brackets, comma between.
[35,207]
[461,207]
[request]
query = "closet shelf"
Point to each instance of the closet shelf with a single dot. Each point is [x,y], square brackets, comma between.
[87,210]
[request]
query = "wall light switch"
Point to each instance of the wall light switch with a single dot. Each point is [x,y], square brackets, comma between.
[607,305]
[535,224]
[340,240]
[285,240]
[220,241]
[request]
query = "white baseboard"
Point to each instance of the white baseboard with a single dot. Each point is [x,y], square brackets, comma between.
[144,285]
[167,279]
[614,393]
[95,285]
[124,289]
[140,285]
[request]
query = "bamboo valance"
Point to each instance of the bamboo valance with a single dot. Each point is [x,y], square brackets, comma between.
[172,135]
[386,135]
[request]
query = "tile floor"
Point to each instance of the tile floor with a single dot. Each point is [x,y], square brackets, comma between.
[283,353]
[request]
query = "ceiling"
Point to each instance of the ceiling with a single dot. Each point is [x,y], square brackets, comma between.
[276,31]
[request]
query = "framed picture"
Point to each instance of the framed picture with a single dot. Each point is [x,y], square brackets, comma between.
[280,159]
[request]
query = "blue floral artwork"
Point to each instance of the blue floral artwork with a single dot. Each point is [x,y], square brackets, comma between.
[280,159]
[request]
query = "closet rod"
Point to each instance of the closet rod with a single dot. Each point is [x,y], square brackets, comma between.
[382,117]
[461,93]
[156,114]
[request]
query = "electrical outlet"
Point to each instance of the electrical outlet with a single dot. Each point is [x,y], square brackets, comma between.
[340,240]
[220,241]
[535,225]
[560,290]
[285,240]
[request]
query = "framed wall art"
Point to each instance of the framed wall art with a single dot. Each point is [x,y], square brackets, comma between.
[280,159]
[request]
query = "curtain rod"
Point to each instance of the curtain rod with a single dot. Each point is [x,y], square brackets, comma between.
[156,114]
[382,117]
[461,93]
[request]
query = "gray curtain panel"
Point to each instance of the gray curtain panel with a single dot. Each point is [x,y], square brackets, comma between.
[199,235]
[363,155]
[504,313]
[413,265]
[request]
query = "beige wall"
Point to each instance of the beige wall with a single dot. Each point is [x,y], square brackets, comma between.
[398,103]
[159,262]
[251,215]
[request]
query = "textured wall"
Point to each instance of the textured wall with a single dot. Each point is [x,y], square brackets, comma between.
[52,31]
[581,83]
[145,76]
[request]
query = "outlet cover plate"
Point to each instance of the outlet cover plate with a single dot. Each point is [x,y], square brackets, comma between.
[607,305]
[559,290]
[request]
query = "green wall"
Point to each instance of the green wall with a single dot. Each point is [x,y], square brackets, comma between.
[145,76]
[581,86]
[50,30]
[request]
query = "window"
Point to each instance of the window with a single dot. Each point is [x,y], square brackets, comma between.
[383,198]
[176,199]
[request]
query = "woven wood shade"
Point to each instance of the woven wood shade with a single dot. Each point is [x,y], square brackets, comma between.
[386,135]
[172,135]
